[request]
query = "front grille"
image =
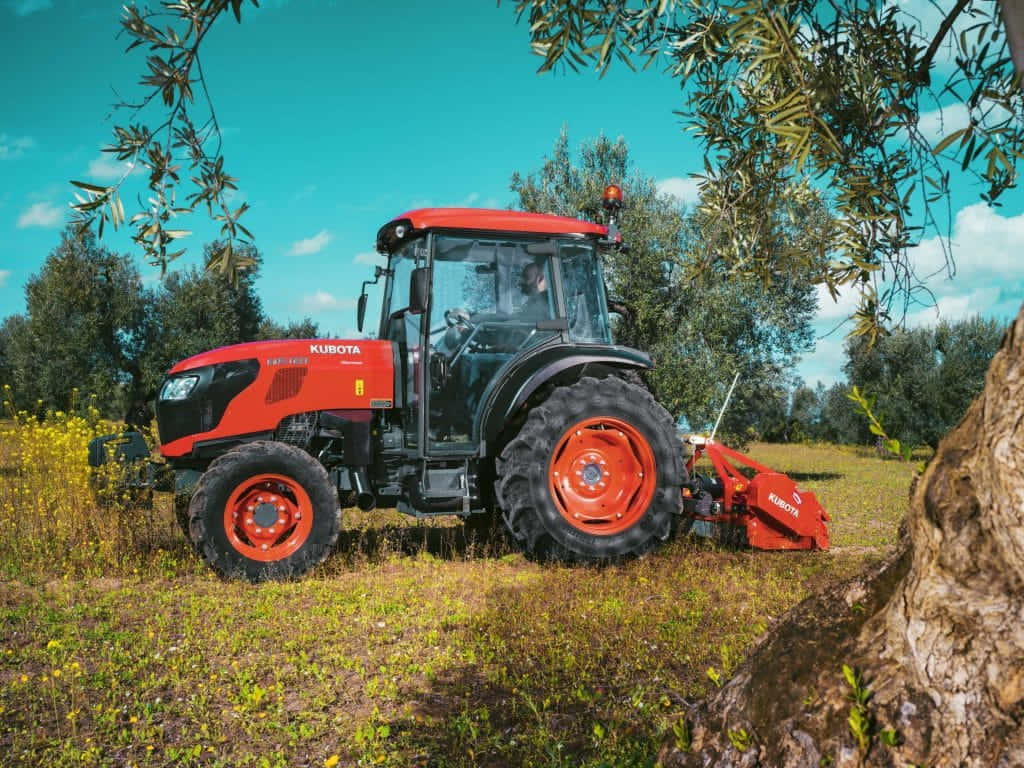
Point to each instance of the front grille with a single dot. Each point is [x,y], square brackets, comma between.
[297,429]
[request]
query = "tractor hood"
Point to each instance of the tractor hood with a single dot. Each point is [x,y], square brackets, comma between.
[248,389]
[351,351]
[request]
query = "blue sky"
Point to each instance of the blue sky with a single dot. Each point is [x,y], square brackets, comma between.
[338,116]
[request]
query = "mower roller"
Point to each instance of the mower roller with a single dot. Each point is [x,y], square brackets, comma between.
[768,507]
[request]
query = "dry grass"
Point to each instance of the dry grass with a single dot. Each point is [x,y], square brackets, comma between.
[411,647]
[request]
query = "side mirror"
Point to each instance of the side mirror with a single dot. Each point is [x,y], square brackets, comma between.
[419,291]
[361,311]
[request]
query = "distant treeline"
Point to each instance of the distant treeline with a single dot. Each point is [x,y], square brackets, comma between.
[922,380]
[90,323]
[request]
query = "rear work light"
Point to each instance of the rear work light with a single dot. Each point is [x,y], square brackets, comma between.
[612,197]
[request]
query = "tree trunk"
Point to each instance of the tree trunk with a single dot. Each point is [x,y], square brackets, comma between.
[937,630]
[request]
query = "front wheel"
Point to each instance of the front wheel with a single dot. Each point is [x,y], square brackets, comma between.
[594,474]
[264,510]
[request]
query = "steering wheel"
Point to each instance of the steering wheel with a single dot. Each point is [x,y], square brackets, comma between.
[458,316]
[454,317]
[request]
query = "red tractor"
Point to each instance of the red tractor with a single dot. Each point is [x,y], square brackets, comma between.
[493,387]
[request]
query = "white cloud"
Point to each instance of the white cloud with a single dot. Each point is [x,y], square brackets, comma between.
[825,363]
[941,122]
[983,244]
[956,307]
[106,168]
[14,146]
[235,197]
[26,7]
[371,258]
[305,193]
[322,301]
[4,274]
[989,281]
[40,215]
[685,190]
[313,244]
[830,310]
[986,249]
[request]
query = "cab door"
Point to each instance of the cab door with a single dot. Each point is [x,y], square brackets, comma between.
[406,330]
[484,312]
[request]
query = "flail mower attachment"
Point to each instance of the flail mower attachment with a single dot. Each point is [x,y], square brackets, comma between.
[769,507]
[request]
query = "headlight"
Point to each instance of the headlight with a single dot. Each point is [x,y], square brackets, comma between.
[179,388]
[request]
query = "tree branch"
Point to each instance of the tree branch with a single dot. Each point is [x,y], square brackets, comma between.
[923,76]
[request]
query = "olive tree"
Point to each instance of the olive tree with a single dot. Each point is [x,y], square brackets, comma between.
[701,331]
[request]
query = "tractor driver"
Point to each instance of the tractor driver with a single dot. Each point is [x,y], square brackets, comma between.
[533,284]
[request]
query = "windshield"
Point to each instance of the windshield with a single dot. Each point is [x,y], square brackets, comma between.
[493,277]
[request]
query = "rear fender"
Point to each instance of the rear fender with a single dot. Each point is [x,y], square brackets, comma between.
[508,393]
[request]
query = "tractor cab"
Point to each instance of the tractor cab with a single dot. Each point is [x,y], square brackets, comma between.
[470,295]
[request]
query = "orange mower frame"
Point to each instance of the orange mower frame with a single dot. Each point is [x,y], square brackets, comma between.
[769,507]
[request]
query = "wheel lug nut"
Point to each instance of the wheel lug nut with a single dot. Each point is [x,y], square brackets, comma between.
[263,547]
[259,498]
[576,515]
[280,521]
[259,530]
[618,515]
[281,508]
[251,508]
[298,515]
[271,530]
[273,498]
[248,521]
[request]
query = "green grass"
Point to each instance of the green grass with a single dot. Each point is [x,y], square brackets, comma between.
[409,647]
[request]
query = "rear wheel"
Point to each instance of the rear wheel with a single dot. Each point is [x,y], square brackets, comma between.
[594,473]
[265,510]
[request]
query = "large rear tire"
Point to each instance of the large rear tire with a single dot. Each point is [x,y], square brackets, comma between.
[265,510]
[594,474]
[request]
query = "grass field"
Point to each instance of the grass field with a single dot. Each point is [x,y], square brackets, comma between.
[409,647]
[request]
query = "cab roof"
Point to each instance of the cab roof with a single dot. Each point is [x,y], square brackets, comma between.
[486,219]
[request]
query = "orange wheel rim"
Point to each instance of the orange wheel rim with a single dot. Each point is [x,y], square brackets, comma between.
[602,476]
[268,517]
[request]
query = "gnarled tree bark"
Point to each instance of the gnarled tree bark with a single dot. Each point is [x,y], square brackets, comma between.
[937,629]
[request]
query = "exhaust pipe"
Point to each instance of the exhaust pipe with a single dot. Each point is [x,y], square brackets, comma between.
[365,498]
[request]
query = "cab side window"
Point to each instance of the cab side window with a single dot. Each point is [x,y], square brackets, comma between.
[584,295]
